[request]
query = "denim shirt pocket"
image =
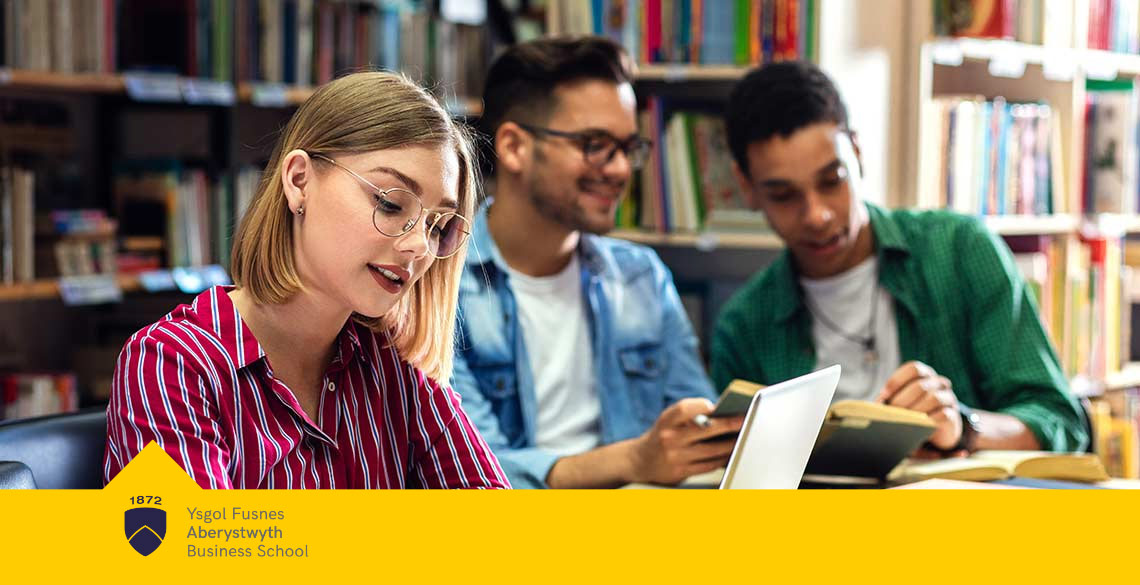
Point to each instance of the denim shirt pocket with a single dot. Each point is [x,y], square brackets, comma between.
[644,366]
[499,385]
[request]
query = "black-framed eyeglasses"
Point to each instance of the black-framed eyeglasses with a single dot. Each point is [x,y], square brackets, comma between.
[599,147]
[398,210]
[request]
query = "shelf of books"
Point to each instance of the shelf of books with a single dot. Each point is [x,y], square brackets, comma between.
[685,195]
[167,215]
[695,41]
[1029,118]
[265,53]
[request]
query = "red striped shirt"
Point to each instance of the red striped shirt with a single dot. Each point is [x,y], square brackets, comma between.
[198,382]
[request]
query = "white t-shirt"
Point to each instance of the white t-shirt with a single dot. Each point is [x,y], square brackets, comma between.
[553,322]
[846,300]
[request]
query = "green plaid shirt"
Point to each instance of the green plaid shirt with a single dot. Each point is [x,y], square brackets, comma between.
[961,306]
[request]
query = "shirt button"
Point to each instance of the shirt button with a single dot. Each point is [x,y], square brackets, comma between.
[332,387]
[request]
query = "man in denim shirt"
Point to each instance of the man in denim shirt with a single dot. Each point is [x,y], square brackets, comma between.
[576,360]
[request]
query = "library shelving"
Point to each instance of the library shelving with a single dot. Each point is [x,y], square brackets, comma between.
[180,119]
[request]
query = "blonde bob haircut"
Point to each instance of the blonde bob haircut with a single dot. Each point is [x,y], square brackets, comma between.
[362,112]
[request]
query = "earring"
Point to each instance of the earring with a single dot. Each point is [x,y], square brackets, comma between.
[301,210]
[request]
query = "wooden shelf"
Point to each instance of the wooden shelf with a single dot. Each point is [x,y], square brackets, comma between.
[277,95]
[465,107]
[49,289]
[681,72]
[1112,224]
[1106,65]
[260,94]
[1060,63]
[1010,58]
[49,80]
[953,51]
[1025,225]
[1013,225]
[273,94]
[1127,377]
[706,241]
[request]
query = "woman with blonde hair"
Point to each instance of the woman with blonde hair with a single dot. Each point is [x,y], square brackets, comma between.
[321,368]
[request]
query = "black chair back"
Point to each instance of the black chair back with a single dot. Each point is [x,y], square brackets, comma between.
[63,451]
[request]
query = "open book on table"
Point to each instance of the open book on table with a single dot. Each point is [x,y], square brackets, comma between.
[995,465]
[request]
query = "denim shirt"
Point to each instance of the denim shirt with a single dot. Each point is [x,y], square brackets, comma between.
[645,353]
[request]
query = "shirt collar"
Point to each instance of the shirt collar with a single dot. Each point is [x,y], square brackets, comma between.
[235,336]
[348,342]
[787,294]
[238,341]
[888,234]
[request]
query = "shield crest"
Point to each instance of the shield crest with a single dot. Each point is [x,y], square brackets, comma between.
[145,528]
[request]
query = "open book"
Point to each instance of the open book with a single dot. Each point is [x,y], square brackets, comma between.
[994,465]
[866,439]
[859,439]
[736,398]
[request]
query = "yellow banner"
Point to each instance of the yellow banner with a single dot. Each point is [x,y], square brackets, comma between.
[656,536]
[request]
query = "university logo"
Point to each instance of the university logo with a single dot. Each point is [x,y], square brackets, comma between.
[145,528]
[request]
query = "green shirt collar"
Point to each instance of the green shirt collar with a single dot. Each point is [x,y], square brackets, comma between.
[888,238]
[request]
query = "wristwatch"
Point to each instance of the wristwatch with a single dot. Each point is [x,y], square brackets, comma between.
[970,429]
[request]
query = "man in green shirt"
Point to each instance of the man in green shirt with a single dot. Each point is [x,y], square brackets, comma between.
[923,309]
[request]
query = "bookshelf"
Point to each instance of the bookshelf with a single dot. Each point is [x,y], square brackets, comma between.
[1080,242]
[82,108]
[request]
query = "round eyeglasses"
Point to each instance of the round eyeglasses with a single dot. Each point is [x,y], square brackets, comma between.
[398,210]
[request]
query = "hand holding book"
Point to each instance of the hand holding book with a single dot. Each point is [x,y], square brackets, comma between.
[916,386]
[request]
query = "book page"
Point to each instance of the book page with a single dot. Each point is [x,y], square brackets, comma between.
[879,412]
